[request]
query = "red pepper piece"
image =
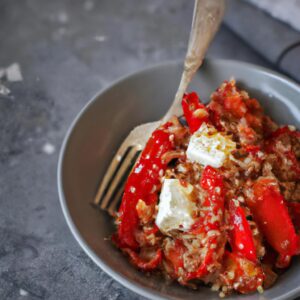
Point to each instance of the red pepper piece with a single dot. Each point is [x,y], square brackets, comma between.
[235,105]
[269,210]
[294,209]
[229,96]
[283,261]
[194,111]
[174,256]
[152,230]
[290,155]
[214,117]
[254,121]
[142,264]
[251,273]
[284,130]
[253,149]
[203,268]
[140,183]
[212,179]
[211,221]
[241,239]
[295,163]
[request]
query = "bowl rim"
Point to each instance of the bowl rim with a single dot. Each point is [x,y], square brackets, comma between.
[123,280]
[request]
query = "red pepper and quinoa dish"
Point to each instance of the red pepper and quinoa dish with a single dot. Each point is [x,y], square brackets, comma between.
[215,201]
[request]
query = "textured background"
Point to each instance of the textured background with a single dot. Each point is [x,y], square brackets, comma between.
[67,51]
[287,11]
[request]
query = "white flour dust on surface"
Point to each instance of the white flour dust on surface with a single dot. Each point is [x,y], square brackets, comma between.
[100,38]
[23,292]
[62,17]
[10,74]
[4,91]
[13,73]
[48,148]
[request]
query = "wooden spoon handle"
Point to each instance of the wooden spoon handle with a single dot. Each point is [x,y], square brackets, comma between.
[207,17]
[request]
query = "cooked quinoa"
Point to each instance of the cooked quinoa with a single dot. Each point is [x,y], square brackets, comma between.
[230,246]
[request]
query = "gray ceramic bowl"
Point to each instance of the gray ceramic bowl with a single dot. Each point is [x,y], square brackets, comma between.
[101,126]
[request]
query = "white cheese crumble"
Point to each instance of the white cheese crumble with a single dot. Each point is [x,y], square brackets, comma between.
[207,146]
[175,209]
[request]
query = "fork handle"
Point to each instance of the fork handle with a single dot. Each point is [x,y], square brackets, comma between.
[207,17]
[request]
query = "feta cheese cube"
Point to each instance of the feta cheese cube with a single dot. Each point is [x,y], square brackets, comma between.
[207,146]
[175,208]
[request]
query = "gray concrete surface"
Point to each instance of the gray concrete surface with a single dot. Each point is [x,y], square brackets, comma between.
[67,51]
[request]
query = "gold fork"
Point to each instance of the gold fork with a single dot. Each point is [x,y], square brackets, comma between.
[206,20]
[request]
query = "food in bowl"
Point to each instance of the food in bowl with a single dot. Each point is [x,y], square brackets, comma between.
[215,196]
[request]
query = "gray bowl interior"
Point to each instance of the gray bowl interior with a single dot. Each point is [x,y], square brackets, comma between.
[104,123]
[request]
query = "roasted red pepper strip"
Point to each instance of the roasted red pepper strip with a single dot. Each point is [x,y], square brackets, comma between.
[174,256]
[210,180]
[141,184]
[144,265]
[240,268]
[294,209]
[194,111]
[241,239]
[211,221]
[270,212]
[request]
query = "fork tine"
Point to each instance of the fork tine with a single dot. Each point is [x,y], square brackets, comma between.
[117,172]
[121,174]
[110,173]
[122,162]
[112,204]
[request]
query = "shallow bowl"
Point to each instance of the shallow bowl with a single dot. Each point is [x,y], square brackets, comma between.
[106,120]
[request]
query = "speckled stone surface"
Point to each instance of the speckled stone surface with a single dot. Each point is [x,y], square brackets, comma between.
[67,51]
